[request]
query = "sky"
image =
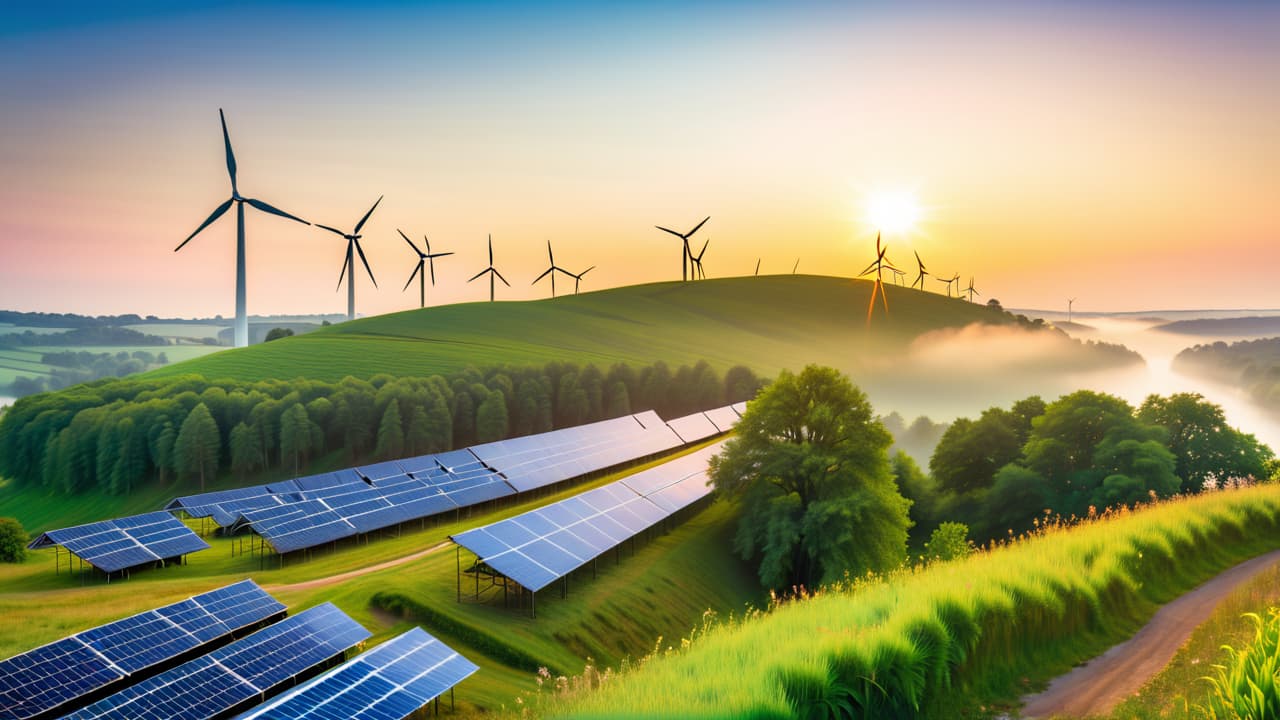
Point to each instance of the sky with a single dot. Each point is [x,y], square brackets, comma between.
[1125,153]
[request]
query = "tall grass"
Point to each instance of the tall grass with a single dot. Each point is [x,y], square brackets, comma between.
[933,641]
[1247,686]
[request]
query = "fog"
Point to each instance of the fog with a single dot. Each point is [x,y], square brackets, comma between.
[959,373]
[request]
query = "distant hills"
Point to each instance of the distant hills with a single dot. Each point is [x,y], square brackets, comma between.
[1239,326]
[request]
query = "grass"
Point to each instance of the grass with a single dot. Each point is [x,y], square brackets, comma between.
[771,323]
[25,361]
[1173,693]
[660,588]
[945,640]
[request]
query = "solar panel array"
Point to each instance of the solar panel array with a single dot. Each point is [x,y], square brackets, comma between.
[543,545]
[114,545]
[319,509]
[215,683]
[52,675]
[389,682]
[695,427]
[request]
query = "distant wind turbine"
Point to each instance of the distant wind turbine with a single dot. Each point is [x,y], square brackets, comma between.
[970,289]
[1070,302]
[578,278]
[954,279]
[353,247]
[492,271]
[552,270]
[878,266]
[424,258]
[241,331]
[897,276]
[697,260]
[758,267]
[795,267]
[685,254]
[923,274]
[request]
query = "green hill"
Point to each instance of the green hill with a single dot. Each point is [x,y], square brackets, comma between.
[769,323]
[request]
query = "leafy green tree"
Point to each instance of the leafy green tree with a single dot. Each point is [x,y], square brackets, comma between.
[13,541]
[949,541]
[491,418]
[418,438]
[971,451]
[618,402]
[810,465]
[740,383]
[162,448]
[1018,497]
[246,449]
[920,489]
[464,418]
[198,445]
[131,459]
[295,436]
[277,333]
[390,434]
[1207,450]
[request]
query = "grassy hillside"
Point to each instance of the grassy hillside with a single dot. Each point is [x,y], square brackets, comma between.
[936,642]
[766,322]
[659,588]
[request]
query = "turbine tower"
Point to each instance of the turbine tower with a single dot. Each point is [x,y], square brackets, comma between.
[353,247]
[685,254]
[492,271]
[423,259]
[795,267]
[923,274]
[242,318]
[953,279]
[1070,302]
[970,290]
[550,270]
[578,278]
[758,266]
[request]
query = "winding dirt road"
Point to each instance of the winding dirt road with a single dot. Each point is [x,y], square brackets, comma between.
[1096,687]
[332,579]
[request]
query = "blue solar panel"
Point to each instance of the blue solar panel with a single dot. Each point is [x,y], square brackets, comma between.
[249,667]
[53,675]
[389,682]
[113,545]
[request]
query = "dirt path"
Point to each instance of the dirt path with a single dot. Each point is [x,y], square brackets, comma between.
[1098,686]
[334,579]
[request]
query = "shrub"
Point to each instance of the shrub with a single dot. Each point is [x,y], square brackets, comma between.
[13,541]
[949,541]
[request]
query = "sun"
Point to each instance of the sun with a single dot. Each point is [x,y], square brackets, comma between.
[892,211]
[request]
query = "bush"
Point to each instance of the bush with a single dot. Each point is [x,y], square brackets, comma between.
[13,541]
[949,541]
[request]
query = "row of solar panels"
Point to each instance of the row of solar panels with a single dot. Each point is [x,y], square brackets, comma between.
[540,546]
[113,545]
[315,510]
[390,681]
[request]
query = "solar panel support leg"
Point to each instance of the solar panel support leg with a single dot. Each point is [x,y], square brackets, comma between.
[457,555]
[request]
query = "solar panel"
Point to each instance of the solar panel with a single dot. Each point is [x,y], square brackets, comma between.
[724,418]
[51,676]
[216,683]
[540,546]
[389,682]
[739,407]
[113,545]
[692,428]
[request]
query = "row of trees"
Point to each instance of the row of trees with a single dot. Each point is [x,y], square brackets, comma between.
[1253,365]
[114,434]
[1085,450]
[72,367]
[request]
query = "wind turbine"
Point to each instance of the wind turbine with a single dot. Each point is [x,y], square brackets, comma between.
[697,260]
[971,291]
[794,267]
[878,266]
[758,267]
[493,272]
[353,247]
[1070,302]
[423,259]
[897,276]
[954,279]
[923,273]
[549,271]
[578,278]
[685,254]
[241,331]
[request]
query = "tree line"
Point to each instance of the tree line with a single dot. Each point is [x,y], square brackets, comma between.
[112,435]
[71,367]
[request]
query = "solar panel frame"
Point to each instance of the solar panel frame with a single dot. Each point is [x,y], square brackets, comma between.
[122,543]
[724,418]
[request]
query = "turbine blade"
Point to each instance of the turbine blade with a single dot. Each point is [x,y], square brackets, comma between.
[274,211]
[473,277]
[490,250]
[231,156]
[869,269]
[544,274]
[343,273]
[217,213]
[412,275]
[365,219]
[365,261]
[551,257]
[695,229]
[406,239]
[333,230]
[584,272]
[504,280]
[436,255]
[432,260]
[673,232]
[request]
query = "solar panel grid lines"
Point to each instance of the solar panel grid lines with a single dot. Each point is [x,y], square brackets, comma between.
[43,679]
[692,428]
[739,407]
[388,682]
[218,682]
[121,543]
[724,418]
